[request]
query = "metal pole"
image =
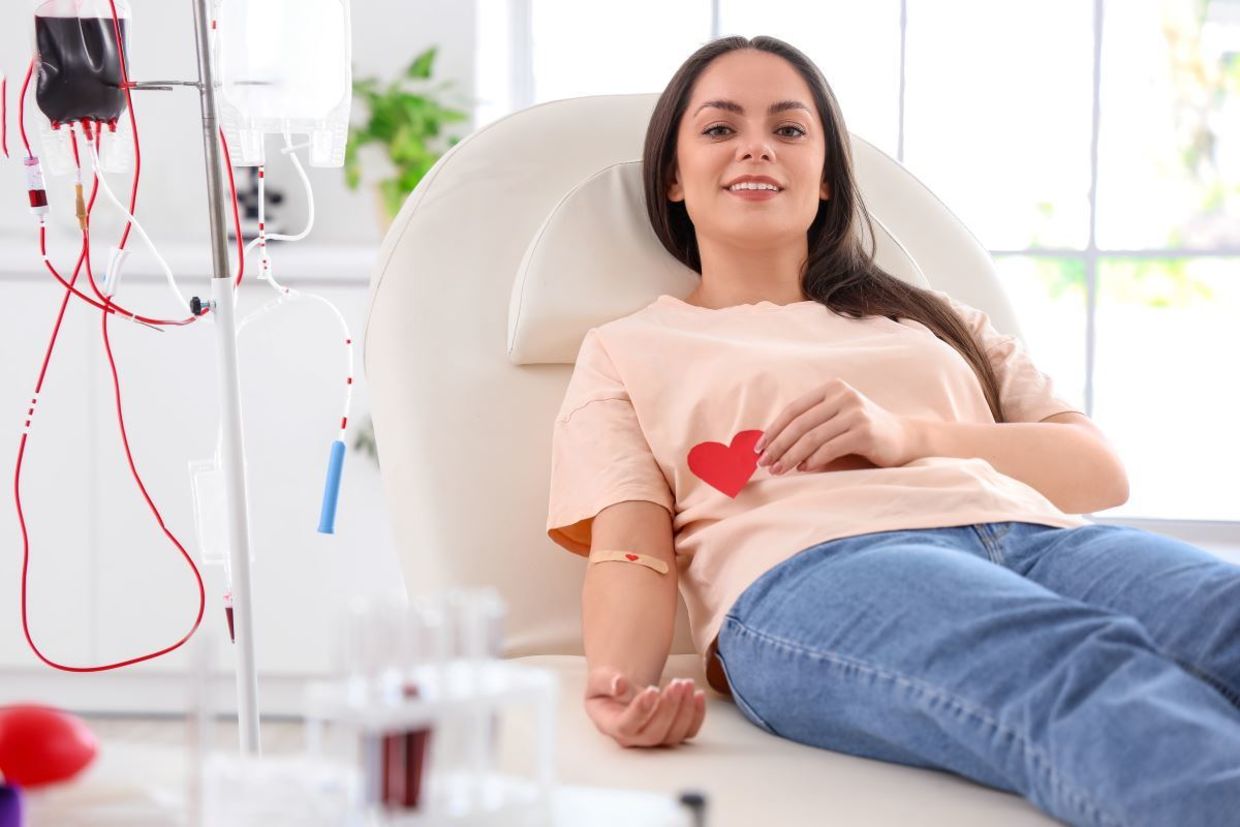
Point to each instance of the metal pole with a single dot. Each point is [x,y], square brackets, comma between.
[223,312]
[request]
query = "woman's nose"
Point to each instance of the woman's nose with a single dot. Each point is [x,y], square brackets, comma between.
[758,147]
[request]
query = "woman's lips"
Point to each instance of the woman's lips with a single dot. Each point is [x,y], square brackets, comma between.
[753,195]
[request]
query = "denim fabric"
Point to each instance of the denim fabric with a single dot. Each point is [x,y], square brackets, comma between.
[1093,670]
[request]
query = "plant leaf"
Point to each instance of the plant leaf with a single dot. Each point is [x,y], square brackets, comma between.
[421,65]
[407,119]
[393,196]
[352,169]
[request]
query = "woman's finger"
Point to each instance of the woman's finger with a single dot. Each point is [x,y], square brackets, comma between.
[794,409]
[699,713]
[804,419]
[677,691]
[637,713]
[684,718]
[832,449]
[811,442]
[656,728]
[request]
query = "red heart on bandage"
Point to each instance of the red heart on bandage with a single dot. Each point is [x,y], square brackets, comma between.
[726,467]
[630,556]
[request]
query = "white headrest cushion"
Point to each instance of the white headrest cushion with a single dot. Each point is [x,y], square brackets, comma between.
[596,258]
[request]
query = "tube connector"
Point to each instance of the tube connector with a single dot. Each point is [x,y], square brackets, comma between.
[80,205]
[112,276]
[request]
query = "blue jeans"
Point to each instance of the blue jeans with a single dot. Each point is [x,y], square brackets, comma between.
[1094,670]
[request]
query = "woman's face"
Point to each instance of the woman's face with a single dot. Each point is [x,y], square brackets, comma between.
[717,145]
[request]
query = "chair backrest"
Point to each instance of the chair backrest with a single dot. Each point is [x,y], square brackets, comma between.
[524,235]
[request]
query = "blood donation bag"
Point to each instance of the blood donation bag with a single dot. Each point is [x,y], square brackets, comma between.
[284,67]
[78,77]
[79,65]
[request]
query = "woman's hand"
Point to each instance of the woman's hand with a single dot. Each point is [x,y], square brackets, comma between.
[649,718]
[834,421]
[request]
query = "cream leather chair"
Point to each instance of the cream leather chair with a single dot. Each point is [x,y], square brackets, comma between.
[524,235]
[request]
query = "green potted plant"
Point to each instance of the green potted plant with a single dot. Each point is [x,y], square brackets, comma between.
[406,118]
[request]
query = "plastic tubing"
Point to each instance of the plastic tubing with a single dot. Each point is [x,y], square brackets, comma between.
[289,150]
[107,191]
[84,258]
[327,515]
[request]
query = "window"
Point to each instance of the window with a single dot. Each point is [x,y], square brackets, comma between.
[993,127]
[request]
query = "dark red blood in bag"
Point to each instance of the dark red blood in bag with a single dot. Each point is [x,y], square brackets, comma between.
[79,68]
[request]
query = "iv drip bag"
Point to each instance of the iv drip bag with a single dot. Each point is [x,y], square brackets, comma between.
[78,76]
[79,63]
[284,65]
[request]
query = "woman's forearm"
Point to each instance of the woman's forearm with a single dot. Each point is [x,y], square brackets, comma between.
[628,617]
[1072,467]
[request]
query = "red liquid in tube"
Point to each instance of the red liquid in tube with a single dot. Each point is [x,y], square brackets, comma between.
[404,763]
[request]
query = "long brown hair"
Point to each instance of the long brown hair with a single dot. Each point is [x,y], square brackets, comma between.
[839,272]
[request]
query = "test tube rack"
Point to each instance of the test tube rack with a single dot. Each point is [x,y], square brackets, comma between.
[468,695]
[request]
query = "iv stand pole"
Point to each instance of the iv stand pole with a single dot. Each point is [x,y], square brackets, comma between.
[233,459]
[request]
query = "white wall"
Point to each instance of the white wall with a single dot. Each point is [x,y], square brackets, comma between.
[387,34]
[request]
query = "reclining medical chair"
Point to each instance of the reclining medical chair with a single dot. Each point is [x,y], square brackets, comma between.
[524,235]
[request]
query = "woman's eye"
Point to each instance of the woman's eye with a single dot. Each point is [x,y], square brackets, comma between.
[712,133]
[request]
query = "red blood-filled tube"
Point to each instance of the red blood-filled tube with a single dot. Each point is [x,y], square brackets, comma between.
[35,186]
[404,763]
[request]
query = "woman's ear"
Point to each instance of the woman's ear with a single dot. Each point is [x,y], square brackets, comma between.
[675,192]
[825,191]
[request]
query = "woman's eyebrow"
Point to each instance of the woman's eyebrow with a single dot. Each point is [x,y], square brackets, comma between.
[733,106]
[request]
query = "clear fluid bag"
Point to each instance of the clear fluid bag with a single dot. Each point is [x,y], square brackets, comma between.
[284,67]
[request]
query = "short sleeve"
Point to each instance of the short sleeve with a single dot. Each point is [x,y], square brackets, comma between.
[1025,392]
[599,454]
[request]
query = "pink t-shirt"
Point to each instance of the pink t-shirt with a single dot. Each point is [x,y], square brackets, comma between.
[649,387]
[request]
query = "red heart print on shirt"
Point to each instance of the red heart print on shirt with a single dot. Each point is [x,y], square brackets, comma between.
[726,467]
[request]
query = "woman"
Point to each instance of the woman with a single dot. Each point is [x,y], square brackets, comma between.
[898,575]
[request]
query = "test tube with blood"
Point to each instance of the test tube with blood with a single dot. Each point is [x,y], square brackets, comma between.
[421,639]
[228,615]
[228,600]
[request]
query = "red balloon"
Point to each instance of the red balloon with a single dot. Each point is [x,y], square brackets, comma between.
[41,745]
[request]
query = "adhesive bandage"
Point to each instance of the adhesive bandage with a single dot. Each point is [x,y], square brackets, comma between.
[604,555]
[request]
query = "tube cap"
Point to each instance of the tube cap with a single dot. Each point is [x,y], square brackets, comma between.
[331,490]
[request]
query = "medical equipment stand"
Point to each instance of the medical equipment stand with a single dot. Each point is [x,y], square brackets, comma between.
[233,457]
